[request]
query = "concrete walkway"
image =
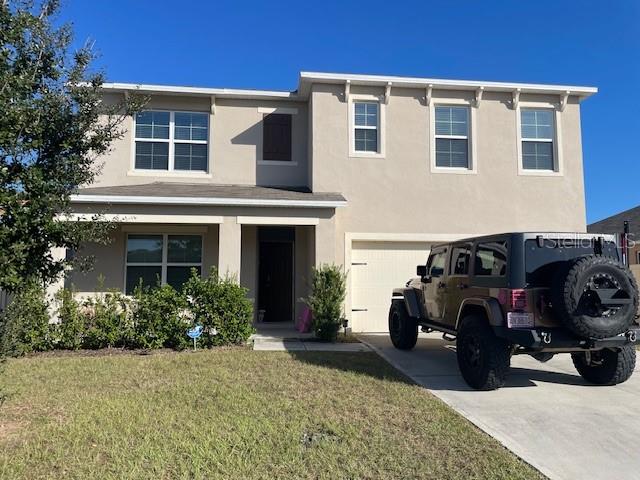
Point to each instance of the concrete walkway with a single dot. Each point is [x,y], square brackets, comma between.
[284,337]
[546,413]
[275,344]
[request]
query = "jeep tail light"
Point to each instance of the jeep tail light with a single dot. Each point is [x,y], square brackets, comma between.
[518,299]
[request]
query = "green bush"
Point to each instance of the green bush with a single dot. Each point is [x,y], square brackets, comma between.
[107,320]
[24,325]
[152,318]
[221,306]
[160,318]
[328,290]
[70,329]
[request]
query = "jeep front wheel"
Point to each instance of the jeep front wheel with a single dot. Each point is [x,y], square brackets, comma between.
[403,329]
[483,359]
[606,367]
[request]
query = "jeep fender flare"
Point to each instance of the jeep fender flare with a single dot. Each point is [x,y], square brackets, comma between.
[410,301]
[490,306]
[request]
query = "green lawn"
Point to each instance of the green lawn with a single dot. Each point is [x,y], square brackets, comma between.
[234,413]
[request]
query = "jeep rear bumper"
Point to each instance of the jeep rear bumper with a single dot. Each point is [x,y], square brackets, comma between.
[551,339]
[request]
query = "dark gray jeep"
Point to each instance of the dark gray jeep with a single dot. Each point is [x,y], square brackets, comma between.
[524,293]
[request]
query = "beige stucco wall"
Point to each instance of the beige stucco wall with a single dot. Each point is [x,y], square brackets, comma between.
[400,194]
[109,260]
[235,145]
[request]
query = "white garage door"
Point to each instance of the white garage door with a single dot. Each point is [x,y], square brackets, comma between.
[377,268]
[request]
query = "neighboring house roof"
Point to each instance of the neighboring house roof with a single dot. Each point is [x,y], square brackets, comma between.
[208,194]
[615,223]
[306,79]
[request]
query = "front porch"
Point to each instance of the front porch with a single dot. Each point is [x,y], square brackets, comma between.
[268,239]
[273,262]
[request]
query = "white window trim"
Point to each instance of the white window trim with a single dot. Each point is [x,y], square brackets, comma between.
[133,171]
[558,164]
[164,263]
[472,144]
[357,98]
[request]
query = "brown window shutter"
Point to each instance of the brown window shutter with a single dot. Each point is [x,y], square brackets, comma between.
[276,139]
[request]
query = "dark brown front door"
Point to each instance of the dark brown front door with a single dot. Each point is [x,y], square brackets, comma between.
[275,280]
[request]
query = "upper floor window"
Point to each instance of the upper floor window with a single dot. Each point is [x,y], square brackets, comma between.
[537,135]
[171,141]
[276,137]
[452,136]
[366,126]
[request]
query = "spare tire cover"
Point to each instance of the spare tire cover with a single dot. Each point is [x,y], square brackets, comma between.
[595,297]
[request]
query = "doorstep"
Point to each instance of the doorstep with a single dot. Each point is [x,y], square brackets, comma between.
[263,343]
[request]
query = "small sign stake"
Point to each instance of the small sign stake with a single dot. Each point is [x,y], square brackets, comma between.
[195,333]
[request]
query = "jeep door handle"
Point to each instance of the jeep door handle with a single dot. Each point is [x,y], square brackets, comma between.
[441,284]
[462,286]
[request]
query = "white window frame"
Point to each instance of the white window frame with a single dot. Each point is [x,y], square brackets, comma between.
[171,141]
[361,98]
[164,263]
[558,164]
[471,136]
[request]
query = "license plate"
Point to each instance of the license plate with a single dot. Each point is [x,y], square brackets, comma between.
[519,320]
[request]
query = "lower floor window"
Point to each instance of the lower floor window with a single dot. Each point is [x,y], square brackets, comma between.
[161,259]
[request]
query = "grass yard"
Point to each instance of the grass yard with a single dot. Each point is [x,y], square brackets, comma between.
[234,413]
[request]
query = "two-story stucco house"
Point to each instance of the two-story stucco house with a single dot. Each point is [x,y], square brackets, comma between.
[358,170]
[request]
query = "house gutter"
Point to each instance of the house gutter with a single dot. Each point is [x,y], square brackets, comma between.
[206,201]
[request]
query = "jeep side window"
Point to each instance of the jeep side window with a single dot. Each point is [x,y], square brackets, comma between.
[491,259]
[436,264]
[460,257]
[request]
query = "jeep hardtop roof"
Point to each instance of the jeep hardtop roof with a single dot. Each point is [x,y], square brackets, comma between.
[522,236]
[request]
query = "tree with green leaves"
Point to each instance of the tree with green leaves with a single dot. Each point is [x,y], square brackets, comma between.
[53,128]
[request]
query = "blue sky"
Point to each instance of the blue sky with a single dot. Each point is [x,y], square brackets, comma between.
[264,44]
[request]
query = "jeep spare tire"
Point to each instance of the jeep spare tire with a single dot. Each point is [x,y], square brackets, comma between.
[595,297]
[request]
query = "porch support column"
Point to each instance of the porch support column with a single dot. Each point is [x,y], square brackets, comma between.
[325,241]
[229,248]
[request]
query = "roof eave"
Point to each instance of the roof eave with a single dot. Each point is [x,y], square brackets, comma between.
[306,79]
[202,92]
[205,201]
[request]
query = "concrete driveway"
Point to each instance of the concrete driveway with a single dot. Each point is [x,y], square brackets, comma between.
[546,413]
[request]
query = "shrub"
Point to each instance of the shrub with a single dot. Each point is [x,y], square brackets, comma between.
[71,323]
[221,306]
[107,321]
[153,318]
[160,318]
[24,325]
[328,290]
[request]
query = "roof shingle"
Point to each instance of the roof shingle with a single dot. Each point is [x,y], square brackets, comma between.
[615,223]
[213,191]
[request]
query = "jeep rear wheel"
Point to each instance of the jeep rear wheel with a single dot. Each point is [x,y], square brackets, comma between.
[403,329]
[606,367]
[483,358]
